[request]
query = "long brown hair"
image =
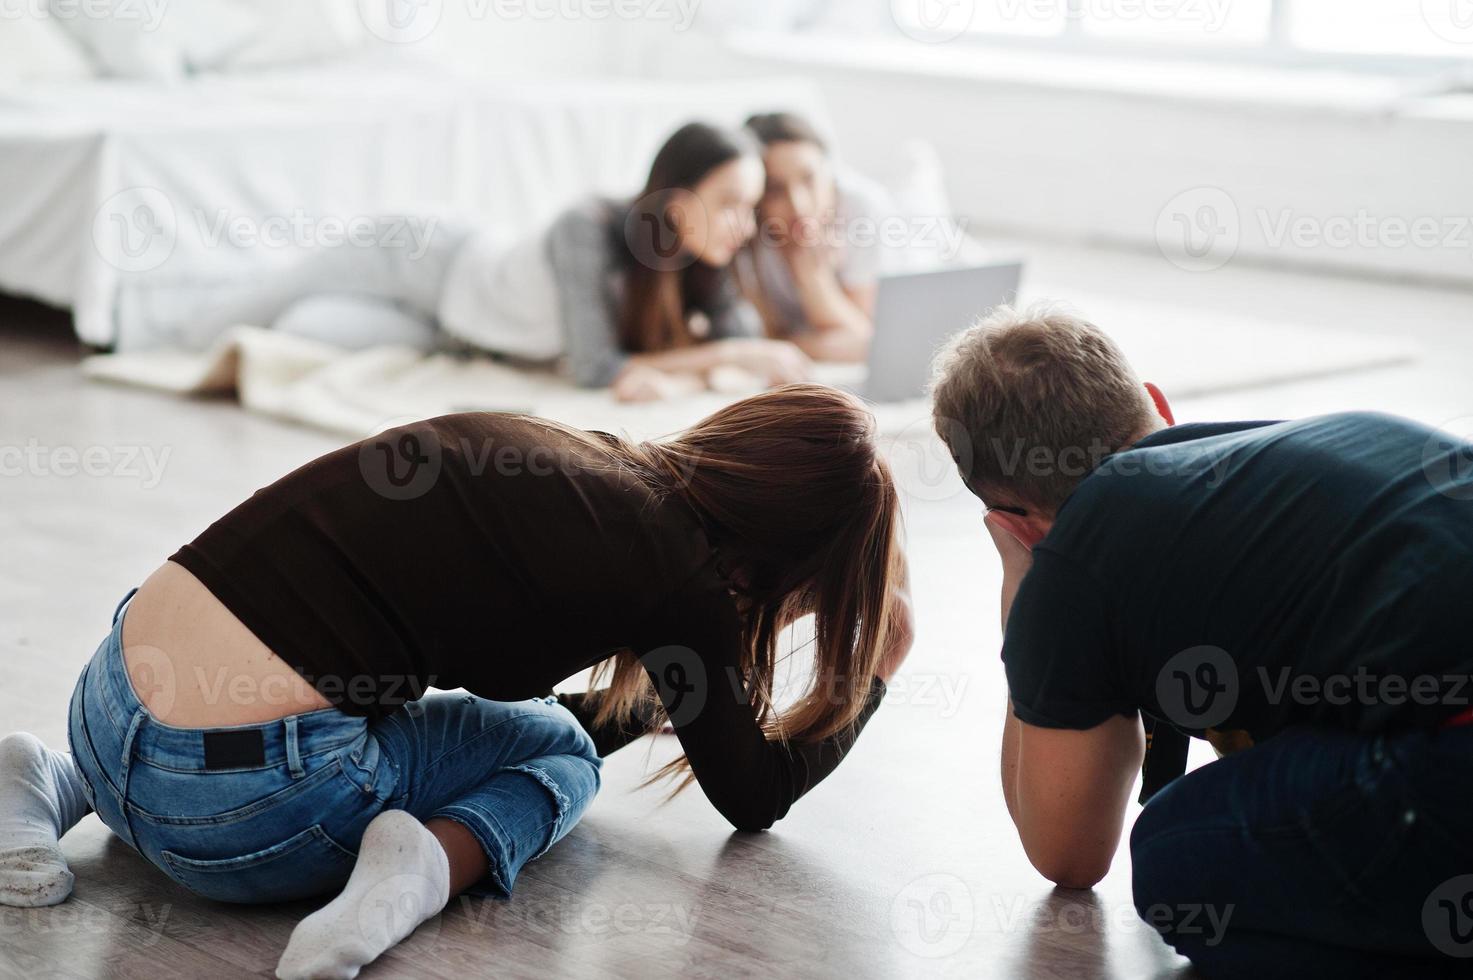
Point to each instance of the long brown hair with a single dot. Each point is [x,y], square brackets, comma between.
[799,503]
[662,284]
[769,128]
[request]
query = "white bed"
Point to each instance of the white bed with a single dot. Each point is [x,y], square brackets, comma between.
[83,162]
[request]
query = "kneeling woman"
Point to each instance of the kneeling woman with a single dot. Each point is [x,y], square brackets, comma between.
[256,724]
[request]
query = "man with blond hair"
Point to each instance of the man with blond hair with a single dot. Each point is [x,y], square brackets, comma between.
[1304,587]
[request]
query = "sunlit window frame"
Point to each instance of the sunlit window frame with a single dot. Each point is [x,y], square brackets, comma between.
[1277,49]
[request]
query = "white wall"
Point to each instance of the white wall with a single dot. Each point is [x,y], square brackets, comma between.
[478,37]
[1099,166]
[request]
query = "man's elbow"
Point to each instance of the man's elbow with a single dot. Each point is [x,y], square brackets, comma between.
[1071,869]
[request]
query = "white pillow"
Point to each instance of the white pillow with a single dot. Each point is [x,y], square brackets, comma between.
[209,33]
[124,39]
[301,31]
[154,39]
[35,49]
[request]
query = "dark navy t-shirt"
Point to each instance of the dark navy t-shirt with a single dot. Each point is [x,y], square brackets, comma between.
[1255,575]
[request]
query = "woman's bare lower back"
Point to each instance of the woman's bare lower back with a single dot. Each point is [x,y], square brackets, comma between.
[193,664]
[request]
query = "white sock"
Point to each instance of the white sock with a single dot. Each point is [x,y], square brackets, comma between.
[401,878]
[41,798]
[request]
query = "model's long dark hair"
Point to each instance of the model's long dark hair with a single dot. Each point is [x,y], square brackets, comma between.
[783,127]
[795,494]
[662,285]
[770,128]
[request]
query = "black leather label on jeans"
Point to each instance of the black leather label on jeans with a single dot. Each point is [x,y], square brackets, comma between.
[235,750]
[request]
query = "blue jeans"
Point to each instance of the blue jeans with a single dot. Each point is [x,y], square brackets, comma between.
[275,812]
[1316,854]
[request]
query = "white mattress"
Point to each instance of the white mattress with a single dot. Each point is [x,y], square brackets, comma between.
[78,159]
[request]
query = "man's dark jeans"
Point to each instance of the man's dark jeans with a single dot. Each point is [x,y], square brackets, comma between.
[1318,853]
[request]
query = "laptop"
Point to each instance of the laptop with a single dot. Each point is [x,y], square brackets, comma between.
[915,314]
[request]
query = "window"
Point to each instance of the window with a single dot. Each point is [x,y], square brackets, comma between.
[1308,30]
[1403,27]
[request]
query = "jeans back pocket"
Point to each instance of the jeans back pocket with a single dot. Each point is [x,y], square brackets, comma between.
[307,864]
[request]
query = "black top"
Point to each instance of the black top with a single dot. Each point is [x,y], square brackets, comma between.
[503,555]
[1255,575]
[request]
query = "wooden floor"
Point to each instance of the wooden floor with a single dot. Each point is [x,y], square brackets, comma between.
[903,863]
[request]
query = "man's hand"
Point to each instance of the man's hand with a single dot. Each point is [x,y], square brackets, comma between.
[1017,559]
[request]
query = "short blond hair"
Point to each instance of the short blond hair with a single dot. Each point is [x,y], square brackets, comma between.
[1029,401]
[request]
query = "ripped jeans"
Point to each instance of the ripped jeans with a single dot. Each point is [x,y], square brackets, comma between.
[274,812]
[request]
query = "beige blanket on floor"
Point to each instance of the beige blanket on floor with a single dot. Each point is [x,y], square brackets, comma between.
[358,393]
